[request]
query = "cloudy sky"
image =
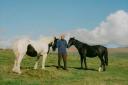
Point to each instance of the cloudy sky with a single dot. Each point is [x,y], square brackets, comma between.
[113,31]
[91,21]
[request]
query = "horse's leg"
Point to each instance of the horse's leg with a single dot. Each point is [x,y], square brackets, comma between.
[81,60]
[43,60]
[15,64]
[85,62]
[100,68]
[19,59]
[102,63]
[37,61]
[104,68]
[15,61]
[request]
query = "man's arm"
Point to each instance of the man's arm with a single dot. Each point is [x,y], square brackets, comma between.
[66,44]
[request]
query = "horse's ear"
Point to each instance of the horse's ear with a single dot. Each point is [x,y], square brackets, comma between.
[55,37]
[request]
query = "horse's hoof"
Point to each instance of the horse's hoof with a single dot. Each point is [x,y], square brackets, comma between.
[85,68]
[18,72]
[43,68]
[81,68]
[65,68]
[59,67]
[34,68]
[104,69]
[13,69]
[100,69]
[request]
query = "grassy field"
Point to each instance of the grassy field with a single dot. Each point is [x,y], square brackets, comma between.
[116,74]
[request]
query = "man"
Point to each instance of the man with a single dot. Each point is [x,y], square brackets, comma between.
[62,53]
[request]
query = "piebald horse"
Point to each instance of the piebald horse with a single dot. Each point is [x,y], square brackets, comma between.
[25,46]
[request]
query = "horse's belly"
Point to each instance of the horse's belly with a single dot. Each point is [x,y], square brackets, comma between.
[91,52]
[91,55]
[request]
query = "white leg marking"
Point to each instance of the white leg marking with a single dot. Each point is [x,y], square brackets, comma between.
[14,67]
[100,69]
[43,60]
[36,64]
[18,62]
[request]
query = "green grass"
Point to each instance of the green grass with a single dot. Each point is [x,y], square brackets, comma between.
[116,74]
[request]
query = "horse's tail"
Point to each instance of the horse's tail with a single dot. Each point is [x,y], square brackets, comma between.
[106,57]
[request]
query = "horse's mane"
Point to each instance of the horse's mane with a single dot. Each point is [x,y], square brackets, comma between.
[78,41]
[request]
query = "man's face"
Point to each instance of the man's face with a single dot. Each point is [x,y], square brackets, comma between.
[62,37]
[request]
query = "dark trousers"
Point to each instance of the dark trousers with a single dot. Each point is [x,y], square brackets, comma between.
[64,56]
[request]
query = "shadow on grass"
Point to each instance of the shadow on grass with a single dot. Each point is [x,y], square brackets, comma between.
[78,68]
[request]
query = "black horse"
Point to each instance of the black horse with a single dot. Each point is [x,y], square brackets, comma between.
[54,45]
[49,45]
[86,50]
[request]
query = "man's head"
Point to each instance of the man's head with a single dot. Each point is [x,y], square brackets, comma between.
[62,36]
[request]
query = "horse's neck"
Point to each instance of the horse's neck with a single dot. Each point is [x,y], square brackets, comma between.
[79,44]
[45,40]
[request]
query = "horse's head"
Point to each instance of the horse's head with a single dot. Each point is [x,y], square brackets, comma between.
[71,42]
[50,44]
[54,45]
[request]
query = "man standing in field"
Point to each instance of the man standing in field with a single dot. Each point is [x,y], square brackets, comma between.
[62,52]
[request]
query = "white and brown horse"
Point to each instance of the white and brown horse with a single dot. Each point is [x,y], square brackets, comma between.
[25,46]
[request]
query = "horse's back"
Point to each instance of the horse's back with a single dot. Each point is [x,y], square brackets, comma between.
[40,46]
[100,49]
[93,51]
[20,46]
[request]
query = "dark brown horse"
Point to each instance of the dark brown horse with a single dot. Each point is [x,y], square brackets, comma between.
[86,50]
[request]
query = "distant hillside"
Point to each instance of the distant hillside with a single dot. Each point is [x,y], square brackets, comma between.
[118,50]
[110,50]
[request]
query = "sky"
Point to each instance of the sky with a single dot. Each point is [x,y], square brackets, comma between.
[50,17]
